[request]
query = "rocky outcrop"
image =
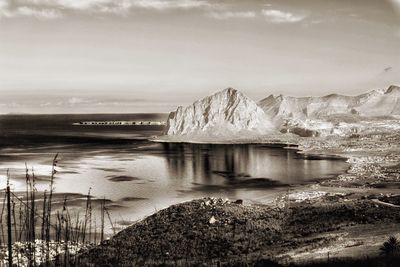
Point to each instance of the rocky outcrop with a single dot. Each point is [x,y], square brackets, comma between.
[226,113]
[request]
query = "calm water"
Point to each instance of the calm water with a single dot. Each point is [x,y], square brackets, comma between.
[138,176]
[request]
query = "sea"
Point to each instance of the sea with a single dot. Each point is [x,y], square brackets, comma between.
[136,176]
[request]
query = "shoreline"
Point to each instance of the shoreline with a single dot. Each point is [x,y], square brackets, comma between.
[342,214]
[273,144]
[356,186]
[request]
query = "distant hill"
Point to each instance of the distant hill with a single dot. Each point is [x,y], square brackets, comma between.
[229,113]
[225,113]
[15,113]
[374,103]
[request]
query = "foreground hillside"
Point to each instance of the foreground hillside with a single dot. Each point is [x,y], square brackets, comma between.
[208,231]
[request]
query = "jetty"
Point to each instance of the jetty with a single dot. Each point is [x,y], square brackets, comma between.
[119,123]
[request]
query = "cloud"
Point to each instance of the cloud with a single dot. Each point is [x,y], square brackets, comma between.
[55,8]
[171,4]
[4,8]
[79,101]
[396,4]
[277,16]
[76,100]
[95,5]
[38,13]
[229,15]
[77,4]
[45,104]
[18,9]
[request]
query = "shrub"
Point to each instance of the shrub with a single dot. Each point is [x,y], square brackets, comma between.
[390,247]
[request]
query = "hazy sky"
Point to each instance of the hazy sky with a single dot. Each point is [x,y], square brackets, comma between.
[69,56]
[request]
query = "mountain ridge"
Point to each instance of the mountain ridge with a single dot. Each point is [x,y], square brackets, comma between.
[230,113]
[318,107]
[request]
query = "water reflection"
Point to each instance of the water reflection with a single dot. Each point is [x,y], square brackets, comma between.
[216,164]
[203,161]
[139,178]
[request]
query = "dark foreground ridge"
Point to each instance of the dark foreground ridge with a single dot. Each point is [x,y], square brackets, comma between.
[216,232]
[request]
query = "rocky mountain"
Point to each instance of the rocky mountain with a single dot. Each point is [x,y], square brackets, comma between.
[381,103]
[228,112]
[372,104]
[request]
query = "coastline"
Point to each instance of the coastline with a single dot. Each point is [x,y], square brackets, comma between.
[367,193]
[348,214]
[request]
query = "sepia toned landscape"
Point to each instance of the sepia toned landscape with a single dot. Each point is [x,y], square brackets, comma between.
[199,133]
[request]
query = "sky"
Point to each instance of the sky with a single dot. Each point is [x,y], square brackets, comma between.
[111,56]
